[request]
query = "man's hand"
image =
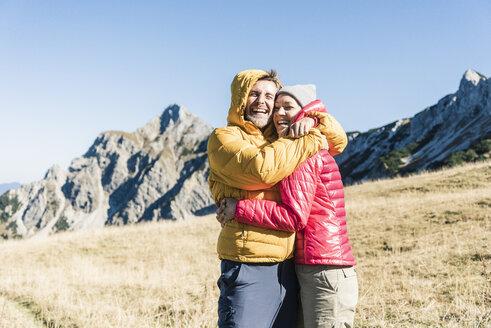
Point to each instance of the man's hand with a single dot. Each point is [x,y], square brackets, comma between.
[301,127]
[226,211]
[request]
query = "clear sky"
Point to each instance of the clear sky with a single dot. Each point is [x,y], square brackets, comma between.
[72,69]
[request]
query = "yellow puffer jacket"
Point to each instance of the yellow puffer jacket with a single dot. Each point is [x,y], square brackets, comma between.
[247,163]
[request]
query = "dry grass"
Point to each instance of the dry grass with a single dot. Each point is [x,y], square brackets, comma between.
[155,275]
[422,247]
[421,244]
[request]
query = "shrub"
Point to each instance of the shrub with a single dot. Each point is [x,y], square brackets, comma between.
[393,159]
[13,227]
[186,151]
[476,152]
[62,224]
[483,146]
[5,201]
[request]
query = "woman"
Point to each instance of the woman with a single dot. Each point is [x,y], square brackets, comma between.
[313,205]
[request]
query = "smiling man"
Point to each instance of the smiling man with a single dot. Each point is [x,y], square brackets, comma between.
[257,282]
[260,102]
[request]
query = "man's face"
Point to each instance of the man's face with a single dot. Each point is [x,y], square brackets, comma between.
[285,110]
[260,103]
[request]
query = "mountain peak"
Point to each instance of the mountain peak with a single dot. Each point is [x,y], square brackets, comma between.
[157,172]
[55,172]
[160,123]
[172,113]
[471,79]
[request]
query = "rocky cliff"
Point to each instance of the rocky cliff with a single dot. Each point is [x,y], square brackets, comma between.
[160,171]
[457,128]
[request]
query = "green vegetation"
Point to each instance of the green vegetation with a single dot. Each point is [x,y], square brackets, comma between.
[12,226]
[62,224]
[4,216]
[483,146]
[53,206]
[186,151]
[393,160]
[8,207]
[5,201]
[476,152]
[52,202]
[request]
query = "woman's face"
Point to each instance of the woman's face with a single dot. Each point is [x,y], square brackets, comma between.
[286,109]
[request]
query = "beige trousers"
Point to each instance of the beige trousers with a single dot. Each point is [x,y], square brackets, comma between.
[328,295]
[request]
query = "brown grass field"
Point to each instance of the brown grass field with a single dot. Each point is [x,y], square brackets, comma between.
[421,244]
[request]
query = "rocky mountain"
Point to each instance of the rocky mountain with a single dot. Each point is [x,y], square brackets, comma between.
[457,128]
[4,187]
[160,171]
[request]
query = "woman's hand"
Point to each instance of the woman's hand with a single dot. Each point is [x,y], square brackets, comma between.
[226,211]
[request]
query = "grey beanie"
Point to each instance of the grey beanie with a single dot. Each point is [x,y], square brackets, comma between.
[303,93]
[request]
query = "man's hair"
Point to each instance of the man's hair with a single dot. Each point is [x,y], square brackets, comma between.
[273,77]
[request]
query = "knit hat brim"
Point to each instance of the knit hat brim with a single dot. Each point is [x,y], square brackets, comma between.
[303,93]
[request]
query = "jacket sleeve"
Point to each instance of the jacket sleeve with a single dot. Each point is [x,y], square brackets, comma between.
[297,195]
[239,163]
[327,125]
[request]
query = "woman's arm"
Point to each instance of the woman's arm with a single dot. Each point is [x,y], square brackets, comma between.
[297,195]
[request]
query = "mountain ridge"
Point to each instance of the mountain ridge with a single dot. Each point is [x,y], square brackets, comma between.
[424,141]
[157,172]
[160,170]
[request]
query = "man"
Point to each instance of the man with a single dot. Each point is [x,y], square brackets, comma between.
[257,273]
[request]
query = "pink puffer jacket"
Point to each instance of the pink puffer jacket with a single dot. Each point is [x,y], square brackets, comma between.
[313,205]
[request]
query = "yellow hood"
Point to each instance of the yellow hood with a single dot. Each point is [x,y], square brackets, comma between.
[241,86]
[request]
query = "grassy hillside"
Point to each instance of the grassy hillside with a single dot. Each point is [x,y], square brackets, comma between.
[421,244]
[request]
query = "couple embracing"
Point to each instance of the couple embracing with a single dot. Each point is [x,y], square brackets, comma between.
[285,256]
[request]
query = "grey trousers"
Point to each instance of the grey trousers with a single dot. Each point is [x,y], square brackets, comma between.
[258,295]
[328,295]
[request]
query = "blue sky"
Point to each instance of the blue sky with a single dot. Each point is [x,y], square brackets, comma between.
[72,69]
